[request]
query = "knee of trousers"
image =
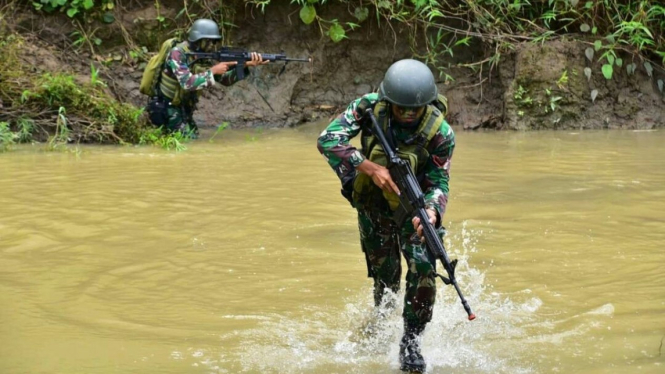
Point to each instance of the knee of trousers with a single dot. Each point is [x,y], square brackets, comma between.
[421,265]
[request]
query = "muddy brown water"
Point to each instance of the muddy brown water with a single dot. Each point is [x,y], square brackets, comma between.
[240,256]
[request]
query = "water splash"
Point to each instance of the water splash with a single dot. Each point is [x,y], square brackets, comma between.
[510,335]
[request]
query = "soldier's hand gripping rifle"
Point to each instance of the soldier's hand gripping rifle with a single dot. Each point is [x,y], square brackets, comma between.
[412,200]
[227,54]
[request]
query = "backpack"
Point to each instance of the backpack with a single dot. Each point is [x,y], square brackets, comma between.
[153,69]
[441,103]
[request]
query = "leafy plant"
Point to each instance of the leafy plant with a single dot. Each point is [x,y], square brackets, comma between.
[85,38]
[521,97]
[553,102]
[71,7]
[25,128]
[220,128]
[563,80]
[7,137]
[61,136]
[169,141]
[94,76]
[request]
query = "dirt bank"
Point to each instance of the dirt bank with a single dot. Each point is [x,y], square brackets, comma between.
[527,91]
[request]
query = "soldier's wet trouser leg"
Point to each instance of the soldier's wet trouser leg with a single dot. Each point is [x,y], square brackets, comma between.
[176,120]
[379,239]
[180,119]
[418,299]
[420,279]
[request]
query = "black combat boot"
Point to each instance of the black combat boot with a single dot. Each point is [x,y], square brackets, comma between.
[409,349]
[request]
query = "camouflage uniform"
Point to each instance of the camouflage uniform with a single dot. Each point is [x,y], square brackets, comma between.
[177,68]
[381,239]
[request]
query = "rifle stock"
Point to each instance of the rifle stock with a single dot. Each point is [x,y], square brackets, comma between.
[412,200]
[241,56]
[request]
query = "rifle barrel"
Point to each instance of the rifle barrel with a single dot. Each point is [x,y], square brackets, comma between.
[245,56]
[309,59]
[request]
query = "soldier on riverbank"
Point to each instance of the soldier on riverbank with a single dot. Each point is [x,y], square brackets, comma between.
[176,89]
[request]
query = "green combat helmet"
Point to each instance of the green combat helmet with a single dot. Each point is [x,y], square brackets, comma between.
[408,83]
[203,29]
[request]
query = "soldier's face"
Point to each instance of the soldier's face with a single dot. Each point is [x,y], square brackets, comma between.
[407,115]
[208,45]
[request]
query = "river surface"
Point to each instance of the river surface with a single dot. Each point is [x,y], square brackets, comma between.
[239,255]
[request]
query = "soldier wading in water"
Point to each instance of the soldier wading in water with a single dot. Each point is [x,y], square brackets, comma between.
[407,109]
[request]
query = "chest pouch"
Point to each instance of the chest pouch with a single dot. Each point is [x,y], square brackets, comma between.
[364,185]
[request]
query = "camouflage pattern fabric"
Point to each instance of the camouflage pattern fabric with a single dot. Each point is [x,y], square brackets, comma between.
[333,143]
[177,67]
[180,120]
[381,239]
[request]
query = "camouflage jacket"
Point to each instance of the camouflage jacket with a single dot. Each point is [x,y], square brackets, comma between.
[177,67]
[334,145]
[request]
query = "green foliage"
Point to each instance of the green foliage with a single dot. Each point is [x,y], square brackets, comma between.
[62,132]
[7,137]
[563,80]
[22,134]
[69,109]
[553,101]
[220,128]
[522,97]
[168,141]
[607,71]
[636,27]
[82,38]
[74,8]
[307,14]
[94,77]
[336,32]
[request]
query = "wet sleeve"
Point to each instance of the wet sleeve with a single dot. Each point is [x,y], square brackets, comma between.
[189,81]
[333,143]
[437,169]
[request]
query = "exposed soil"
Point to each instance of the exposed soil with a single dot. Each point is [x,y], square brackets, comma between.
[278,96]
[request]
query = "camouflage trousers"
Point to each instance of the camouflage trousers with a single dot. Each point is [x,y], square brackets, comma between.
[180,120]
[382,242]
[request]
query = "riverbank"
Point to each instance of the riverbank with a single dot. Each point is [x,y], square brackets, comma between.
[556,83]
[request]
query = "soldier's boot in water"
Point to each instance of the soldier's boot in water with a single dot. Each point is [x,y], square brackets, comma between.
[378,320]
[409,349]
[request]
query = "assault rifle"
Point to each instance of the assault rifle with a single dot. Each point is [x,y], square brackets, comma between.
[412,201]
[241,56]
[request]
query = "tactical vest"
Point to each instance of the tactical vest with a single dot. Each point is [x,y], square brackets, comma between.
[413,150]
[169,86]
